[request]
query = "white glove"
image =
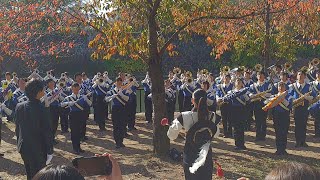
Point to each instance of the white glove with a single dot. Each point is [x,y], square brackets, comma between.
[49,158]
[308,98]
[285,102]
[2,106]
[71,103]
[120,93]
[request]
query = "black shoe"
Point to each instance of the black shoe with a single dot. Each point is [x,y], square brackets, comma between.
[118,146]
[55,142]
[132,129]
[305,145]
[126,135]
[298,145]
[64,131]
[77,152]
[1,154]
[227,136]
[81,150]
[239,148]
[122,145]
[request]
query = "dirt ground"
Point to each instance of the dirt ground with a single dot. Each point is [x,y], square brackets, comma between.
[137,161]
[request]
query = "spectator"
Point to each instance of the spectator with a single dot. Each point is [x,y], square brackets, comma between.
[293,171]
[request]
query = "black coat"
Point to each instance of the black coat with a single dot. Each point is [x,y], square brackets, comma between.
[33,128]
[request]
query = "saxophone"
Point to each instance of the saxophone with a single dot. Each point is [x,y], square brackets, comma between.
[258,97]
[300,100]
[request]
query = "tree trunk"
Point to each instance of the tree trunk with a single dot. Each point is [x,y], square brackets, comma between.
[161,143]
[267,41]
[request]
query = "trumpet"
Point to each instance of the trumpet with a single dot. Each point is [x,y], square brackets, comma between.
[258,67]
[127,86]
[189,80]
[287,65]
[176,70]
[304,68]
[300,100]
[225,70]
[62,84]
[242,68]
[316,61]
[188,74]
[105,73]
[63,75]
[100,80]
[204,72]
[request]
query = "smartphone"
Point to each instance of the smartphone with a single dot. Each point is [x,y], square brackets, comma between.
[93,166]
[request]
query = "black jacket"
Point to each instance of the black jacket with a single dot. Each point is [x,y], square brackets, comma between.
[33,128]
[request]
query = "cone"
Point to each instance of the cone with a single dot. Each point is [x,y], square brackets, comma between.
[219,170]
[165,122]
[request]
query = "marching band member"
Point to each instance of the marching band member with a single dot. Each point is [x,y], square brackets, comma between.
[86,80]
[316,88]
[261,86]
[239,115]
[64,112]
[281,118]
[18,93]
[301,89]
[201,127]
[7,112]
[51,100]
[69,80]
[146,83]
[247,82]
[179,83]
[170,99]
[284,79]
[132,103]
[84,90]
[100,91]
[188,88]
[77,104]
[315,112]
[211,96]
[119,98]
[222,90]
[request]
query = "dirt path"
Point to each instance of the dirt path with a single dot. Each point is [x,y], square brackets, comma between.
[138,162]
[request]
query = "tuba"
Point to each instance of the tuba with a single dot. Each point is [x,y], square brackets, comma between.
[258,67]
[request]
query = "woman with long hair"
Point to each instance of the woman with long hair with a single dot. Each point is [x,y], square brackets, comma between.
[201,127]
